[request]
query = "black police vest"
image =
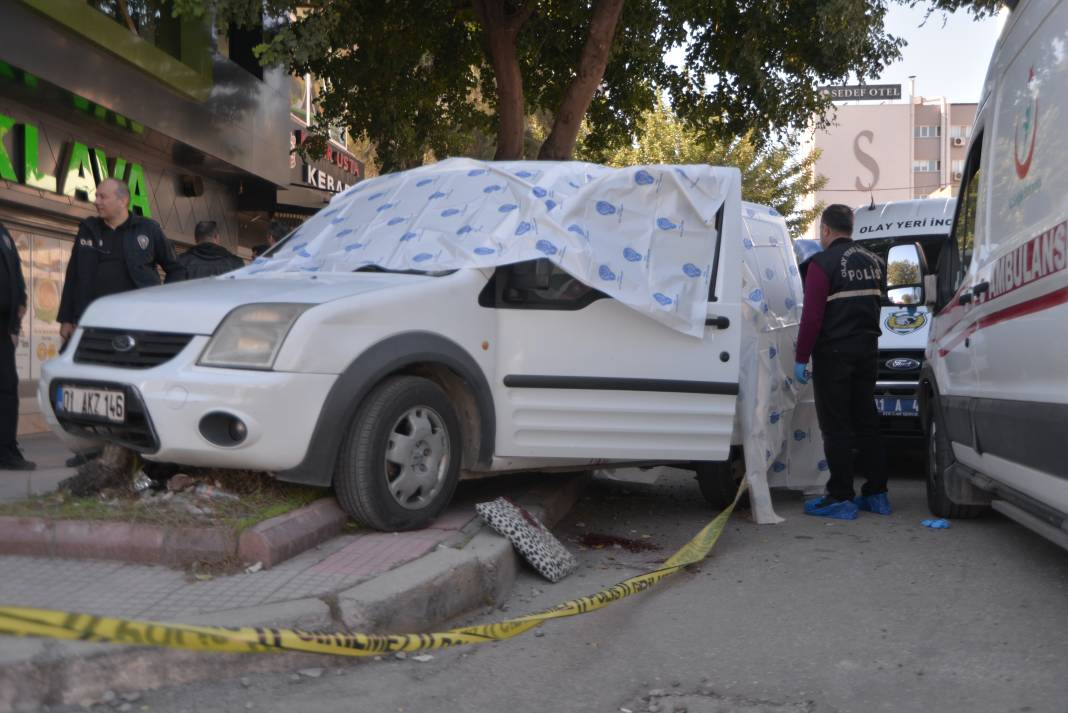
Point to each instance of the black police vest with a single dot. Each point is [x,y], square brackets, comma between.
[854,301]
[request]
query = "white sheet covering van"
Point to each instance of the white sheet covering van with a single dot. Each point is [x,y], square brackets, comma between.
[994,393]
[463,317]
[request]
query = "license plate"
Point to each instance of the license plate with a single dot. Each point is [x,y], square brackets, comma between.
[100,403]
[897,406]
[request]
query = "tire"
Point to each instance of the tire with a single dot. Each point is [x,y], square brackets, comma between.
[939,459]
[385,478]
[719,481]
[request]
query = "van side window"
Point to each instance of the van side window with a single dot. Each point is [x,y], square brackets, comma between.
[536,284]
[955,262]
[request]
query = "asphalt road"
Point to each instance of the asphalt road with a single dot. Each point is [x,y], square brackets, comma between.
[879,614]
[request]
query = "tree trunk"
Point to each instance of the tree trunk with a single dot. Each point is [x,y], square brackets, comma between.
[560,143]
[502,30]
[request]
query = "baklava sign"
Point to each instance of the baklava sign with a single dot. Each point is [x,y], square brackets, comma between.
[334,172]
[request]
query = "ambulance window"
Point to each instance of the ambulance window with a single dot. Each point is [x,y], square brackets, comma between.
[964,227]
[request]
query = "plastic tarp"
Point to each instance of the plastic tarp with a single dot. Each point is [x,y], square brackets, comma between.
[645,235]
[776,416]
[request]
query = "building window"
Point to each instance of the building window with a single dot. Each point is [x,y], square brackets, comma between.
[960,131]
[958,168]
[928,166]
[927,132]
[154,22]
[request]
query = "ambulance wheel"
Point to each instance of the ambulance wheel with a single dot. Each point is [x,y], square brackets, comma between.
[400,461]
[939,459]
[719,481]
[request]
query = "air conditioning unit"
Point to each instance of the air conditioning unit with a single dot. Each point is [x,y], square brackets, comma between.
[958,141]
[957,175]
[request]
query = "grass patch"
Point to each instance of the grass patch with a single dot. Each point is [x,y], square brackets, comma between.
[259,497]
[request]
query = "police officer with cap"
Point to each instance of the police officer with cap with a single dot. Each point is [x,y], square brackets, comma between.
[840,331]
[12,309]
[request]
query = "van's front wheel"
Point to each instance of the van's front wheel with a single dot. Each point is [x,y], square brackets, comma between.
[400,461]
[939,460]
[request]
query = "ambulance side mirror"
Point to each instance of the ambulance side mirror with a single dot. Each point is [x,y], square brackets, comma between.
[904,275]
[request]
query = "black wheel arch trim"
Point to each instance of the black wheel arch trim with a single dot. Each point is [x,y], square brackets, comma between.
[368,370]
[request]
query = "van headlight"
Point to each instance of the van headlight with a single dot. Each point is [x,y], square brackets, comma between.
[251,335]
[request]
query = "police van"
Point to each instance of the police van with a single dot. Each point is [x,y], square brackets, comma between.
[994,388]
[908,236]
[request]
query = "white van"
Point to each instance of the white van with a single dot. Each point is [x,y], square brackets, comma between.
[422,325]
[994,389]
[893,231]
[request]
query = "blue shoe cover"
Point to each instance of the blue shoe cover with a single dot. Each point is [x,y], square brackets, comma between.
[839,510]
[936,524]
[878,504]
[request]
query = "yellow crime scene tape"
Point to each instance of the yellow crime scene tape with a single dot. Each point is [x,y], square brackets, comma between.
[49,623]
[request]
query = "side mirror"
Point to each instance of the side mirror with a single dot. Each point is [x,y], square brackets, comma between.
[904,275]
[930,290]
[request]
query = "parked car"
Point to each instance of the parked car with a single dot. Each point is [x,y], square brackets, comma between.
[450,350]
[994,394]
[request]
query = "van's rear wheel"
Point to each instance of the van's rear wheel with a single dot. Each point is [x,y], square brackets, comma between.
[400,461]
[939,459]
[719,481]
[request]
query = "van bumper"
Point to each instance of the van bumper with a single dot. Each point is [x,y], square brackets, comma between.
[173,411]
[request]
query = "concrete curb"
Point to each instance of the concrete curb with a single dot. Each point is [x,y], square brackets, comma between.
[270,542]
[476,569]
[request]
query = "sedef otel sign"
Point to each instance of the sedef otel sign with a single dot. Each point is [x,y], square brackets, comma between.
[334,172]
[78,178]
[863,92]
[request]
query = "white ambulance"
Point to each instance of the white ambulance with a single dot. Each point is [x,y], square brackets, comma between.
[994,389]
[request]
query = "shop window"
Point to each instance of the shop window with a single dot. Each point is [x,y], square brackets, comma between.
[44,265]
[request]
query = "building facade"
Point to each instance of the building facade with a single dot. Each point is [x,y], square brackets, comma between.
[891,151]
[188,119]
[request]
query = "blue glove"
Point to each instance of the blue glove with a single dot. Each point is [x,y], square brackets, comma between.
[800,375]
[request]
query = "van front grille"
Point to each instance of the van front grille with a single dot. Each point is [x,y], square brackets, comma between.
[127,349]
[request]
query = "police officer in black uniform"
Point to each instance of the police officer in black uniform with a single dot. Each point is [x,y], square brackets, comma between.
[12,309]
[840,330]
[115,252]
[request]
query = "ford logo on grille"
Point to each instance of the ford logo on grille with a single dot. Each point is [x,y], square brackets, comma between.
[902,364]
[123,343]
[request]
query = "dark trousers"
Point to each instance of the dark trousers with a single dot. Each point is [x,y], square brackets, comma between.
[9,396]
[844,384]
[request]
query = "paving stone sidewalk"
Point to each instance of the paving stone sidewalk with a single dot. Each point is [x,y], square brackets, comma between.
[160,593]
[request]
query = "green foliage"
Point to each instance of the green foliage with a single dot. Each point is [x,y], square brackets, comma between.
[772,173]
[414,77]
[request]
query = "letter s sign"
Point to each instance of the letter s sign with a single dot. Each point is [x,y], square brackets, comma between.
[866,160]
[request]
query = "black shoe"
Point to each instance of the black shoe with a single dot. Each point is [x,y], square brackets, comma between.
[81,459]
[16,462]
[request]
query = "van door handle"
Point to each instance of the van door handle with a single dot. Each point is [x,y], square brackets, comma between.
[981,288]
[718,322]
